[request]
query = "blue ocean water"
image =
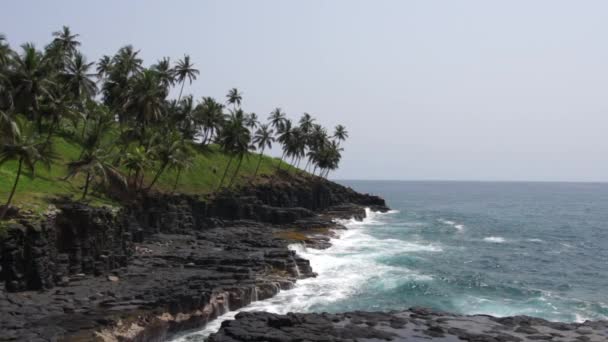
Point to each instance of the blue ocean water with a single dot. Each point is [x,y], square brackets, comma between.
[539,249]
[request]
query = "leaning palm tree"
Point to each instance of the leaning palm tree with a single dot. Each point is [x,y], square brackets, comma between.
[306,123]
[277,119]
[96,168]
[182,159]
[234,139]
[27,149]
[209,117]
[234,98]
[262,139]
[185,70]
[340,133]
[165,151]
[136,161]
[285,137]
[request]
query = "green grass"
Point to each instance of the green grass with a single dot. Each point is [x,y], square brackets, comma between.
[36,193]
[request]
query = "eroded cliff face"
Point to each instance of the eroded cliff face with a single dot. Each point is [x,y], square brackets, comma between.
[159,265]
[75,240]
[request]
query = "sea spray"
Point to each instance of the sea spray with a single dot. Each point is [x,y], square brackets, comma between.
[509,249]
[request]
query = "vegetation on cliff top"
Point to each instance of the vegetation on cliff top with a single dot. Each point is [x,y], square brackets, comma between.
[88,130]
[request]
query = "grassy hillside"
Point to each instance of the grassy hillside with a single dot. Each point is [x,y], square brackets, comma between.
[203,177]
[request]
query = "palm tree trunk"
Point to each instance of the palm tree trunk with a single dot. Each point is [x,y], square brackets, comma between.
[84,127]
[179,172]
[314,170]
[10,197]
[225,172]
[280,161]
[51,129]
[86,185]
[180,92]
[158,173]
[259,162]
[141,181]
[307,165]
[238,167]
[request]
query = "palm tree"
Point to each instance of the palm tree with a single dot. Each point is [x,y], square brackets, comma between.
[31,79]
[96,168]
[136,161]
[182,160]
[209,116]
[340,133]
[251,121]
[166,75]
[285,137]
[146,99]
[262,139]
[234,140]
[103,66]
[27,149]
[277,119]
[234,98]
[185,70]
[66,41]
[77,78]
[182,117]
[306,122]
[119,74]
[165,151]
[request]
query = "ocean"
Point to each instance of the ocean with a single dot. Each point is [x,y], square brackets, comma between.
[497,248]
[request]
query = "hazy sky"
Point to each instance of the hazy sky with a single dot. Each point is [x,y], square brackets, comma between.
[462,90]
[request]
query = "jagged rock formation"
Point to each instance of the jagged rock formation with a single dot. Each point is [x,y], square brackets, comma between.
[417,324]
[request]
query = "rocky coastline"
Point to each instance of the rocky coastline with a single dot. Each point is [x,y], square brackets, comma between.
[164,263]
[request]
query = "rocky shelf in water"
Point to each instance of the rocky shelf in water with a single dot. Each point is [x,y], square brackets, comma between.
[416,324]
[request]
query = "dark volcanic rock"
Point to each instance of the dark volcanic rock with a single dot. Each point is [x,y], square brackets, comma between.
[416,324]
[79,239]
[161,264]
[173,282]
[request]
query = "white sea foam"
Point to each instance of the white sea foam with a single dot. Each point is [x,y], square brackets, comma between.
[494,239]
[535,240]
[457,226]
[343,270]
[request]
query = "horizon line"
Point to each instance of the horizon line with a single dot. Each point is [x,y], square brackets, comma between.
[469,181]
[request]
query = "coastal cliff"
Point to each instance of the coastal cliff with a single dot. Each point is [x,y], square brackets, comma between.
[163,263]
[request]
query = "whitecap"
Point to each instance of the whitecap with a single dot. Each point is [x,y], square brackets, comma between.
[457,226]
[494,239]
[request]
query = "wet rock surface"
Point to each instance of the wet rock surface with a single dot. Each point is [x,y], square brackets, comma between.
[416,324]
[173,282]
